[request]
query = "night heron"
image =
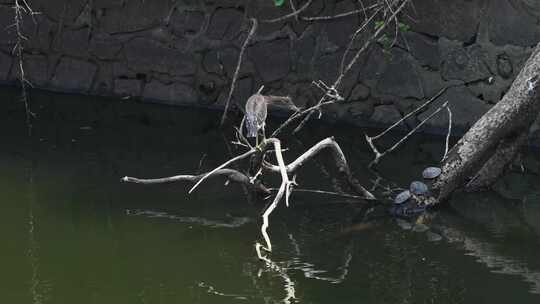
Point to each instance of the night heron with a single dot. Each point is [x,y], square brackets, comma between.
[255,115]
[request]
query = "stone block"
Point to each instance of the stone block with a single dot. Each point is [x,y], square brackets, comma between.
[186,22]
[68,10]
[456,19]
[104,46]
[212,63]
[36,70]
[514,22]
[340,30]
[147,55]
[5,65]
[425,50]
[229,59]
[175,94]
[225,24]
[464,63]
[466,110]
[134,16]
[103,83]
[74,43]
[385,115]
[272,59]
[73,75]
[127,87]
[360,92]
[7,32]
[401,77]
[360,111]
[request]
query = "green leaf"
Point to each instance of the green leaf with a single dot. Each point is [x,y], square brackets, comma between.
[403,27]
[279,2]
[379,24]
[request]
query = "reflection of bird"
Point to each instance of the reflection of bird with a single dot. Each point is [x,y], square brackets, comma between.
[255,114]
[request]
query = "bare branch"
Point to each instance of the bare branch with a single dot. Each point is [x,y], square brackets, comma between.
[447,144]
[354,60]
[339,158]
[397,123]
[225,164]
[233,175]
[342,15]
[237,70]
[293,14]
[379,155]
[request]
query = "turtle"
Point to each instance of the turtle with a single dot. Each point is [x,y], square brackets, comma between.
[402,197]
[418,188]
[431,172]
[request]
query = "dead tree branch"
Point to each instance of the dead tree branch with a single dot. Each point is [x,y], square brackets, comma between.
[448,134]
[342,15]
[230,174]
[510,117]
[295,13]
[225,164]
[339,158]
[237,70]
[379,155]
[504,155]
[21,8]
[368,42]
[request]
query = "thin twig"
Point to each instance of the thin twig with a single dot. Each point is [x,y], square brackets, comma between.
[19,11]
[345,195]
[354,60]
[342,15]
[379,155]
[447,144]
[225,164]
[237,70]
[293,14]
[429,101]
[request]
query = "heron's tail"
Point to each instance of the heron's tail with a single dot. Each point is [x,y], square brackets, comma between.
[251,126]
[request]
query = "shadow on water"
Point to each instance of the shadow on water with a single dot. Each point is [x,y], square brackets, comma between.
[74,234]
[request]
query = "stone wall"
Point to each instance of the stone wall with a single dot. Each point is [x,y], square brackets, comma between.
[185,52]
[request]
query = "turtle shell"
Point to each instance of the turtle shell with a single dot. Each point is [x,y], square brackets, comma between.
[402,197]
[431,172]
[418,188]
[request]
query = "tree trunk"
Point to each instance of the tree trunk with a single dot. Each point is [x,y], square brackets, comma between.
[491,143]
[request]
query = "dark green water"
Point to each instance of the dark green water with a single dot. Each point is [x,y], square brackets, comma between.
[72,233]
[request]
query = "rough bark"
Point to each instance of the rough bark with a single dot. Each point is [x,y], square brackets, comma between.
[506,120]
[504,155]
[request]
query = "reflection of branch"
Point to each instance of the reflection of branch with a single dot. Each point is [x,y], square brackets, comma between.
[486,254]
[211,290]
[311,272]
[282,272]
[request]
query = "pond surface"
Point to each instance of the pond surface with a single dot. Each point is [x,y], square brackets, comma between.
[73,233]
